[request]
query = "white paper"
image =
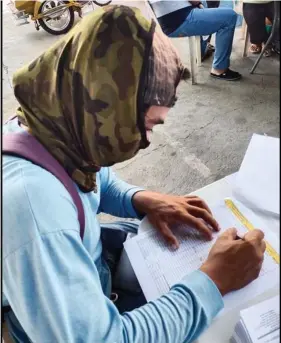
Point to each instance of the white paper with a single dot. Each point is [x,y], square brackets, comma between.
[257,182]
[240,334]
[262,321]
[158,267]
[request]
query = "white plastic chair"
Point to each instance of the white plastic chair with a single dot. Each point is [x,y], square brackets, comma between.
[238,8]
[194,48]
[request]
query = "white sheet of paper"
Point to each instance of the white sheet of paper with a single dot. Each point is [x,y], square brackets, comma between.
[158,267]
[262,321]
[257,183]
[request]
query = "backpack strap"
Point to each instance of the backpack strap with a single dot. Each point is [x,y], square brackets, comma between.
[24,145]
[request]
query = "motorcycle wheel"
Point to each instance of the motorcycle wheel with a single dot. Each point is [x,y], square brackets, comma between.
[102,2]
[56,24]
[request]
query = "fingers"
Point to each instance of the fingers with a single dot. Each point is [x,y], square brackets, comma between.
[256,239]
[168,235]
[205,215]
[196,201]
[255,235]
[197,224]
[263,246]
[166,232]
[229,234]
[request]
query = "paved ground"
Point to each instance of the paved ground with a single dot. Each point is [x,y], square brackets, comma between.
[206,134]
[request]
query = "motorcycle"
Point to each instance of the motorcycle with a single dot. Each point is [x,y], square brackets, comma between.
[54,16]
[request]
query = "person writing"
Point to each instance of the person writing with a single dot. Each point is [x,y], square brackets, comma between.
[92,100]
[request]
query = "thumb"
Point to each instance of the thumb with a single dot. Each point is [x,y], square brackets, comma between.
[229,234]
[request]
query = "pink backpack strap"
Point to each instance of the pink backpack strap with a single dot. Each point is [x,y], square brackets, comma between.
[24,145]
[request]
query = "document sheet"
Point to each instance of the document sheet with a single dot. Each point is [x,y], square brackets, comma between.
[257,183]
[158,267]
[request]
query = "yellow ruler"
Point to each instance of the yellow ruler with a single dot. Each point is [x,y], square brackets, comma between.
[269,249]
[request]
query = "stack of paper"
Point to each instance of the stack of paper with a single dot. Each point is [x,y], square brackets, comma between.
[259,323]
[258,180]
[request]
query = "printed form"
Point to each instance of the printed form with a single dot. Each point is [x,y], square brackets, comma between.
[158,267]
[259,323]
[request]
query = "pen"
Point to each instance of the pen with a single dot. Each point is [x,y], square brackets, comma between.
[238,237]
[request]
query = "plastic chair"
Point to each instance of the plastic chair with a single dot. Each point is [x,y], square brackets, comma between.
[194,48]
[238,8]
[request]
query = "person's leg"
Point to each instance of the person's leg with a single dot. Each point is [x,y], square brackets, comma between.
[269,10]
[113,235]
[124,281]
[254,15]
[202,22]
[213,4]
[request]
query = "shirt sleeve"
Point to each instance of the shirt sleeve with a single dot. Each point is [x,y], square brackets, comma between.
[54,289]
[52,284]
[116,195]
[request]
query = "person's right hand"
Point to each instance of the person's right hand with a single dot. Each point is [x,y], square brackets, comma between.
[232,264]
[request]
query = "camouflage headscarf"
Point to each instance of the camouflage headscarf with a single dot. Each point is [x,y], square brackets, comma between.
[82,98]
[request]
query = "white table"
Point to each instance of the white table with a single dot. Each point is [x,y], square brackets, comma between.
[222,328]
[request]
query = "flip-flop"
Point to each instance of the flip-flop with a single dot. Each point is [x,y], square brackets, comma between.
[276,50]
[255,49]
[228,75]
[268,52]
[276,47]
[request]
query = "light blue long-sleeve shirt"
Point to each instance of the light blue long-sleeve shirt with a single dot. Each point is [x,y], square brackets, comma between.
[57,285]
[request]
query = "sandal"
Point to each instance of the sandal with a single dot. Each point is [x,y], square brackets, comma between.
[255,49]
[276,47]
[267,52]
[228,75]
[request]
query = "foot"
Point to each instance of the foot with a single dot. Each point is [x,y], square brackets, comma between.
[255,48]
[211,47]
[208,54]
[268,52]
[276,47]
[227,75]
[276,50]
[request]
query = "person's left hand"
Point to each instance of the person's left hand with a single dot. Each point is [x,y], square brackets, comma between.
[164,211]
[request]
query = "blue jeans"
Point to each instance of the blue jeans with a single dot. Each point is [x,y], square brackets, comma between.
[204,22]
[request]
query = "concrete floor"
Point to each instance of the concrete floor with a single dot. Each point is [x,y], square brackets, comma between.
[206,134]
